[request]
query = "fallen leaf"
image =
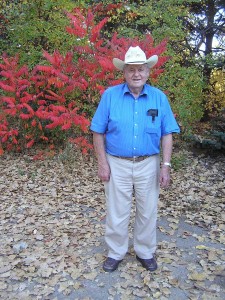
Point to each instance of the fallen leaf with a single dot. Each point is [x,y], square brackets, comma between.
[197,276]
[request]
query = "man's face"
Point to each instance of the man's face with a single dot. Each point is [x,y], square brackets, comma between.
[136,75]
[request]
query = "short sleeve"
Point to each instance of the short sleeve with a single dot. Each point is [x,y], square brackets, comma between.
[169,123]
[99,122]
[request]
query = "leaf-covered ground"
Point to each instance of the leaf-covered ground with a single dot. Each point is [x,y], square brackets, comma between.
[52,233]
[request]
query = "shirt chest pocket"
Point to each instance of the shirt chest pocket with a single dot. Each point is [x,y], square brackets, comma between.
[153,135]
[152,130]
[156,130]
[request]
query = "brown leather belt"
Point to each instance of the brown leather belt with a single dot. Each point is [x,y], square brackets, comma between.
[134,158]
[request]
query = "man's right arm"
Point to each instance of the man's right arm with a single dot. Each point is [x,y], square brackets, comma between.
[103,166]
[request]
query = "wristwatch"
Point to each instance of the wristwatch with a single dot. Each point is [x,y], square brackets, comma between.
[167,164]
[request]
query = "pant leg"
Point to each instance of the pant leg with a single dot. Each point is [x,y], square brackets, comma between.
[118,192]
[146,185]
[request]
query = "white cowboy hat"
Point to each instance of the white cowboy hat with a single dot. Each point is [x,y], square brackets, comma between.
[135,56]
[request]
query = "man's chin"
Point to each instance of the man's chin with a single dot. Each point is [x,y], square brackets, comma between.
[137,84]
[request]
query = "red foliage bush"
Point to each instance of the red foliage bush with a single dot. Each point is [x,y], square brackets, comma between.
[47,104]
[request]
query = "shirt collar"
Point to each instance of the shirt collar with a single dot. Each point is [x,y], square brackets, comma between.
[126,90]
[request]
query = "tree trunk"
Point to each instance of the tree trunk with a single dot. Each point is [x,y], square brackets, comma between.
[209,35]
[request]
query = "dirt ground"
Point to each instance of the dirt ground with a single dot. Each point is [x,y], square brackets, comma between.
[52,233]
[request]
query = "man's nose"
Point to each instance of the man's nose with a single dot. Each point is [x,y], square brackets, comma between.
[136,72]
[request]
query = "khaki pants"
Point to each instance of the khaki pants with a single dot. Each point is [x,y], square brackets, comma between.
[143,178]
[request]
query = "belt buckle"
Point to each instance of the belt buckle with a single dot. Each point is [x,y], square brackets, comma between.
[134,158]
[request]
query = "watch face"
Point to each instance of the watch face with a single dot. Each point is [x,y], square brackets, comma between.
[167,164]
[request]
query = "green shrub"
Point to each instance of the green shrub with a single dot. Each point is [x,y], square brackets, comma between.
[184,86]
[213,139]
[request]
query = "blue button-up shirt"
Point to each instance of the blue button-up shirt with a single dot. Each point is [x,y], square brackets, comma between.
[129,128]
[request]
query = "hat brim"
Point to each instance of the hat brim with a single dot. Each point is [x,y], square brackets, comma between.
[151,62]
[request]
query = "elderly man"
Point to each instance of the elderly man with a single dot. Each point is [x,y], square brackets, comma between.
[130,123]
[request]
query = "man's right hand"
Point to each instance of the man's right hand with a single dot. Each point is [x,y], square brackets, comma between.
[103,166]
[104,172]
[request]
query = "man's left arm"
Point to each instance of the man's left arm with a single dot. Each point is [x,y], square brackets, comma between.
[167,145]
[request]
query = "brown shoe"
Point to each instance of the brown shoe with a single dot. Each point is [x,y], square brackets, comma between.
[111,264]
[148,264]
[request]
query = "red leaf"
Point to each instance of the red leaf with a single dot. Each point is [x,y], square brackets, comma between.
[30,143]
[9,100]
[34,123]
[11,111]
[1,151]
[67,126]
[7,88]
[44,138]
[52,125]
[26,116]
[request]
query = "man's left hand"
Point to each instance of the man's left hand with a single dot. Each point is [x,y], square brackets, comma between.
[164,178]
